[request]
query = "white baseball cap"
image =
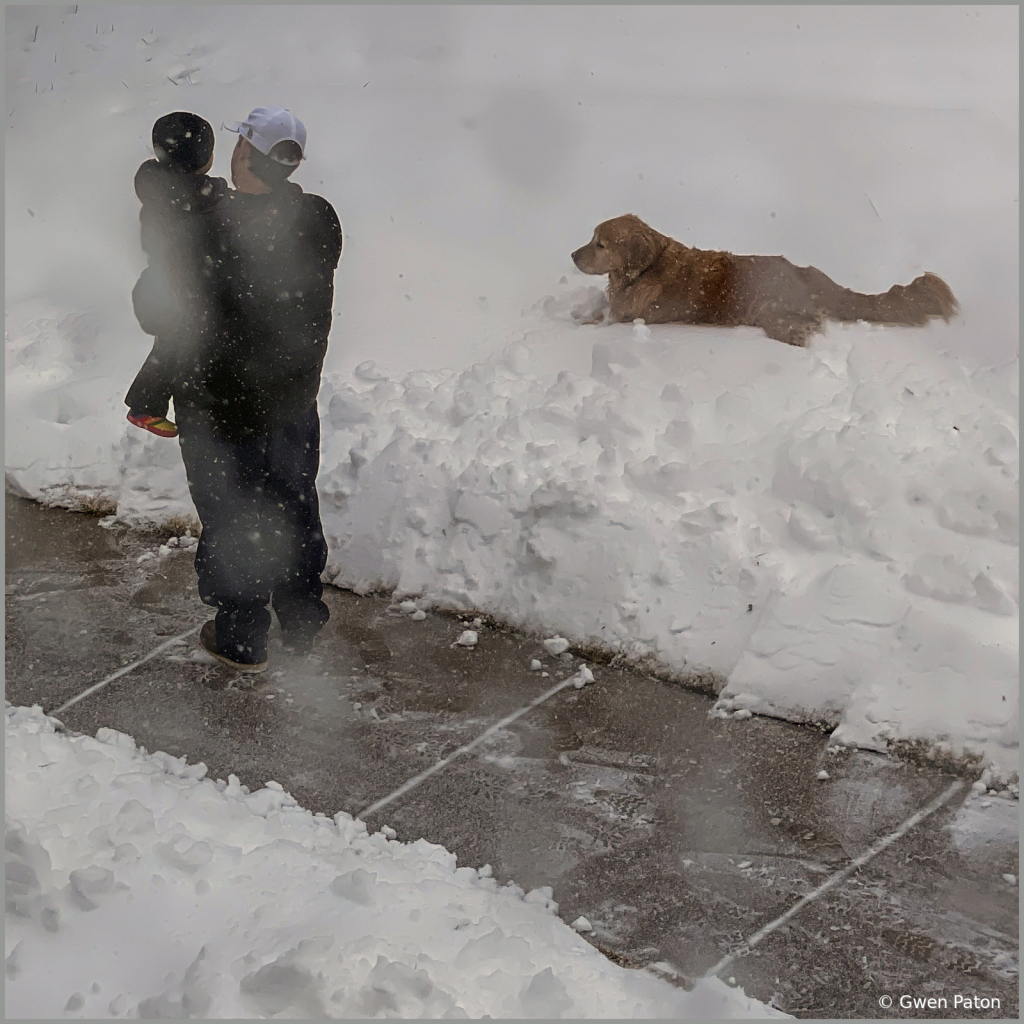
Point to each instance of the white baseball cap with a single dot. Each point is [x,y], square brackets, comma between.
[265,127]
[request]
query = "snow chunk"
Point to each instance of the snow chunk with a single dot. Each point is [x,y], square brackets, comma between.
[369,371]
[185,854]
[545,996]
[86,885]
[582,677]
[356,886]
[556,645]
[468,638]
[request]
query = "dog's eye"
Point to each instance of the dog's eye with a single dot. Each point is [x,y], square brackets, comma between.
[599,245]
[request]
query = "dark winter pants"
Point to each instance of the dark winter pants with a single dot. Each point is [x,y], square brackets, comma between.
[262,540]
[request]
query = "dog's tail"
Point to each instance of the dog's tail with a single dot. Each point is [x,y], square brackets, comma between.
[912,305]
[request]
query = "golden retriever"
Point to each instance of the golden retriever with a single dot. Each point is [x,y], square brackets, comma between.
[659,280]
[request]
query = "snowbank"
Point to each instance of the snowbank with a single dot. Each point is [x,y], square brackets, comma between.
[832,531]
[138,888]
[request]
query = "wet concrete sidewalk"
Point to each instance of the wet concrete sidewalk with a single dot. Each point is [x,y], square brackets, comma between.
[677,835]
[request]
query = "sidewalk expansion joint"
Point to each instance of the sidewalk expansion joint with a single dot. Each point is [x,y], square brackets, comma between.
[858,862]
[125,670]
[412,783]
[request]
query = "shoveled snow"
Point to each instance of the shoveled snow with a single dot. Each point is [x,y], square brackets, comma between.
[136,887]
[556,645]
[582,677]
[832,532]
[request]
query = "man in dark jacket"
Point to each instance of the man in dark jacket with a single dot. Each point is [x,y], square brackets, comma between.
[247,405]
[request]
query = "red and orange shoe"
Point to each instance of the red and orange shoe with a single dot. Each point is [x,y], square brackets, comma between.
[159,425]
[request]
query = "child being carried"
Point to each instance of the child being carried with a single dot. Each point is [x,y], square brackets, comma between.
[174,297]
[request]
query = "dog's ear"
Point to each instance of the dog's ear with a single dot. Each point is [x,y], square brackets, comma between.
[638,249]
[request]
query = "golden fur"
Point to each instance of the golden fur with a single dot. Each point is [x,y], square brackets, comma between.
[659,280]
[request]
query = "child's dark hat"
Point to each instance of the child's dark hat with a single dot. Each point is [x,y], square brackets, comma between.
[183,141]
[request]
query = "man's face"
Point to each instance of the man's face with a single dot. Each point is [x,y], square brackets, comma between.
[241,176]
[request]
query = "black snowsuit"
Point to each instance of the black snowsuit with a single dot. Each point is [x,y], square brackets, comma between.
[174,299]
[245,403]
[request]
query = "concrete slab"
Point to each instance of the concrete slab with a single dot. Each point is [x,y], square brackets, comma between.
[677,835]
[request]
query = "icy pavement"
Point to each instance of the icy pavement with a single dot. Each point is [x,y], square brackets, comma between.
[674,834]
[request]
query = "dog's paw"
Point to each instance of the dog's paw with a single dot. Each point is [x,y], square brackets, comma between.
[792,329]
[592,311]
[581,305]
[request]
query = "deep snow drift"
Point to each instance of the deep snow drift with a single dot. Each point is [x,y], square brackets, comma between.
[832,530]
[136,887]
[835,531]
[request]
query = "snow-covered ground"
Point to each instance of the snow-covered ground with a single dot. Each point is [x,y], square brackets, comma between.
[138,888]
[832,530]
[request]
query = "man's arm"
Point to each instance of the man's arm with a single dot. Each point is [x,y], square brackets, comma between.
[303,320]
[321,224]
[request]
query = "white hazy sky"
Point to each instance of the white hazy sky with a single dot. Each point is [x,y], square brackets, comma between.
[470,149]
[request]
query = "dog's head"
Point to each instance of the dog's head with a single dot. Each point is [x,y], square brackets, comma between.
[623,247]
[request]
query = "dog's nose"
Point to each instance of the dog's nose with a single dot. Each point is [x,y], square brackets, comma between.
[576,256]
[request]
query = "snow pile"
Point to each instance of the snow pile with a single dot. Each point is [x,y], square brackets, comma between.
[67,440]
[60,405]
[138,888]
[834,530]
